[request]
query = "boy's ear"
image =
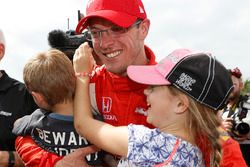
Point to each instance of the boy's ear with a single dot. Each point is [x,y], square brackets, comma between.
[38,97]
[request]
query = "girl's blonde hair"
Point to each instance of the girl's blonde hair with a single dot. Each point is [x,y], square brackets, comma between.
[203,123]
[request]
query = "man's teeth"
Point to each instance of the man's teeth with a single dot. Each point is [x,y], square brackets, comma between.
[114,54]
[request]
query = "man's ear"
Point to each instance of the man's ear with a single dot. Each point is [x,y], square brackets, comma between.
[145,27]
[183,104]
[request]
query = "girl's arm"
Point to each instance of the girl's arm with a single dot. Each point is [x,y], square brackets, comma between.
[107,137]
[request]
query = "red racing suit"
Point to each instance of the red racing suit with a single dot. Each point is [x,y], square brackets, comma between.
[118,99]
[231,153]
[232,156]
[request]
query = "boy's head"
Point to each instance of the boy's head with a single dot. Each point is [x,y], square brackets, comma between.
[50,74]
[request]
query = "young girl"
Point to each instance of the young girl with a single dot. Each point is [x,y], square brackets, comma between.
[187,89]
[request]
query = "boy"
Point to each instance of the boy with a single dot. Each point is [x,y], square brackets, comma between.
[50,78]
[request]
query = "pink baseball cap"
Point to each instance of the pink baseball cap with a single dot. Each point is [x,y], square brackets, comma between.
[197,74]
[120,12]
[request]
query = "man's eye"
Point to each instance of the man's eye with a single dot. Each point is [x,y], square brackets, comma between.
[94,32]
[117,29]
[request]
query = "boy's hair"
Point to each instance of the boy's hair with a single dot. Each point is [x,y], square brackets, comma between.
[51,74]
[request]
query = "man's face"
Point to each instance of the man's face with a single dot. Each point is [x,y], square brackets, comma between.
[238,86]
[117,49]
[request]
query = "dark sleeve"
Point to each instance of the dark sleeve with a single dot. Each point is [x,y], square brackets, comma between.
[23,126]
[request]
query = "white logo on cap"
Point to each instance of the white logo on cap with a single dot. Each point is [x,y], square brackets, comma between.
[185,81]
[89,2]
[173,58]
[141,9]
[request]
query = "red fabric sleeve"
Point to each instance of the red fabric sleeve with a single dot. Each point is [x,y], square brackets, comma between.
[232,156]
[33,155]
[231,153]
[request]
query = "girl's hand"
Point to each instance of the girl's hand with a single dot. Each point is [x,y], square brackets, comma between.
[83,60]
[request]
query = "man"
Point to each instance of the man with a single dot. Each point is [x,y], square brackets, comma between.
[15,102]
[236,115]
[118,30]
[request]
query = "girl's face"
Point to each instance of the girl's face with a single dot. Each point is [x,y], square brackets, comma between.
[161,105]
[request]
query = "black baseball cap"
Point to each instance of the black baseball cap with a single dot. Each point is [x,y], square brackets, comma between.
[198,74]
